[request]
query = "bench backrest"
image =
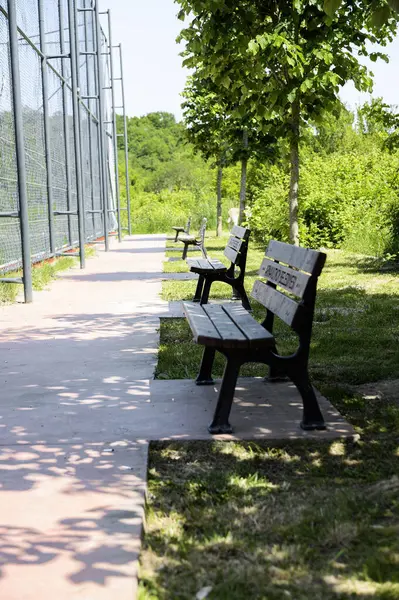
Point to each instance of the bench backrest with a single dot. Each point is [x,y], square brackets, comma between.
[201,232]
[293,270]
[187,227]
[236,249]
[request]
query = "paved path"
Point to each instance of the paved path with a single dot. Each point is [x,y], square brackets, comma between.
[78,406]
[72,366]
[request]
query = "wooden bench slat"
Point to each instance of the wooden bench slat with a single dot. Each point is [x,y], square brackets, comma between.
[211,263]
[240,232]
[257,335]
[203,329]
[230,254]
[187,238]
[234,243]
[228,330]
[206,264]
[276,302]
[292,281]
[304,259]
[193,262]
[217,264]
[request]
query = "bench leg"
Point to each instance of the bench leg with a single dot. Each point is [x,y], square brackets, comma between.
[176,236]
[206,290]
[312,417]
[205,374]
[220,422]
[198,290]
[239,293]
[276,373]
[184,255]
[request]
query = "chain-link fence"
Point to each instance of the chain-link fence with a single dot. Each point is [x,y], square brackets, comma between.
[59,185]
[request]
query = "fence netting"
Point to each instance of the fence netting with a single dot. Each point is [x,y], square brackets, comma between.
[52,172]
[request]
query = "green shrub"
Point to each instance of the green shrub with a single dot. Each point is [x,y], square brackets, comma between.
[158,212]
[346,200]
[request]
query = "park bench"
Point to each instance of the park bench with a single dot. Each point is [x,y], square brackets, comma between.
[197,241]
[185,229]
[210,270]
[233,332]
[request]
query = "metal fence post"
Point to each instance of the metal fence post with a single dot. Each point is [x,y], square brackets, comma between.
[129,220]
[75,103]
[67,149]
[115,138]
[90,92]
[100,91]
[20,151]
[49,178]
[77,51]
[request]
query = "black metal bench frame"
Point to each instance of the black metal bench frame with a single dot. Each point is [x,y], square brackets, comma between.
[185,229]
[210,270]
[196,241]
[232,331]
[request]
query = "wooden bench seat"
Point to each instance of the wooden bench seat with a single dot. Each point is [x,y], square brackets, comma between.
[208,264]
[226,326]
[229,329]
[210,270]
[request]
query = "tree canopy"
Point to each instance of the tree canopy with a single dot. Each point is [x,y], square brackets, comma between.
[282,63]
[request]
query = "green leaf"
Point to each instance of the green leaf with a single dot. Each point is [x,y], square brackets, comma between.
[253,47]
[261,39]
[380,16]
[306,85]
[331,7]
[226,81]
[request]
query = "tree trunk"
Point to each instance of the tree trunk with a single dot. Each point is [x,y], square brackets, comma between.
[219,227]
[243,187]
[294,182]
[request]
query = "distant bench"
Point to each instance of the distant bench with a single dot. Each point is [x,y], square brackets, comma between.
[233,332]
[210,270]
[196,241]
[185,229]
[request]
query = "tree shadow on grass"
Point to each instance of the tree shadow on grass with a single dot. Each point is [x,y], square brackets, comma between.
[305,520]
[370,264]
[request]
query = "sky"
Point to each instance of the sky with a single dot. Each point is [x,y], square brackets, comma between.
[154,76]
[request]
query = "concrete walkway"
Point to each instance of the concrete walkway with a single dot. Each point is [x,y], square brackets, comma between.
[72,484]
[78,407]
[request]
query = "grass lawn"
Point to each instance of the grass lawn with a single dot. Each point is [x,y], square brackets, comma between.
[304,520]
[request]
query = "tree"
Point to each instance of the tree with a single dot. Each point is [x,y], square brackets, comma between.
[207,128]
[379,117]
[217,134]
[282,63]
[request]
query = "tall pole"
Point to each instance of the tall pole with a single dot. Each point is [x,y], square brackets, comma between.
[20,151]
[90,92]
[67,147]
[75,104]
[129,220]
[81,171]
[47,143]
[114,132]
[103,155]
